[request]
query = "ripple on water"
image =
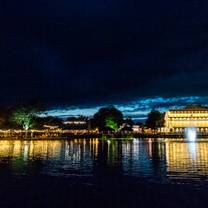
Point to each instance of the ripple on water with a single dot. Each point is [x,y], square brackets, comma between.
[162,161]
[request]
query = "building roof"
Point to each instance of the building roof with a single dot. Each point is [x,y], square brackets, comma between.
[192,107]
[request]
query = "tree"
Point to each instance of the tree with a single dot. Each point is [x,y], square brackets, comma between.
[155,119]
[39,122]
[129,121]
[24,117]
[111,123]
[4,115]
[106,117]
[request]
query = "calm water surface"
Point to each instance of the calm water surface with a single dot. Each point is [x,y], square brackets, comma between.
[153,161]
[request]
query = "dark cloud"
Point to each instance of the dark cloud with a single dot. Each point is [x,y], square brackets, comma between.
[76,52]
[137,109]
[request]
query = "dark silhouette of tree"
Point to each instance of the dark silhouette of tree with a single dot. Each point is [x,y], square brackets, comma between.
[129,121]
[5,117]
[49,120]
[140,124]
[155,119]
[101,118]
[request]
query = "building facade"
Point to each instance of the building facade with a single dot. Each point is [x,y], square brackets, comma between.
[192,116]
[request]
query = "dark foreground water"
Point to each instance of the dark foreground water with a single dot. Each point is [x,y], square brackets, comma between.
[94,173]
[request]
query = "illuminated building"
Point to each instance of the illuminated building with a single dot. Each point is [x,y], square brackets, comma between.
[52,127]
[137,129]
[192,116]
[76,125]
[76,122]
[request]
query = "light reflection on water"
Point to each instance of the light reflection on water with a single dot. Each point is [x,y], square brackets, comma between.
[157,161]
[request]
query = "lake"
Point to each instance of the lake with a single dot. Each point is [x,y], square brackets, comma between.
[38,171]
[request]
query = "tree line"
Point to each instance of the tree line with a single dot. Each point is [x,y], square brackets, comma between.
[107,118]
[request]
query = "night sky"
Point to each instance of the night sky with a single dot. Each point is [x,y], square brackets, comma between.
[75,56]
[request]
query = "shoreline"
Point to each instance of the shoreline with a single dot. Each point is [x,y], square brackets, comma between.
[63,135]
[110,139]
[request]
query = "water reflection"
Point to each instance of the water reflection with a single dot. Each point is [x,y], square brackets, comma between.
[192,149]
[187,160]
[156,161]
